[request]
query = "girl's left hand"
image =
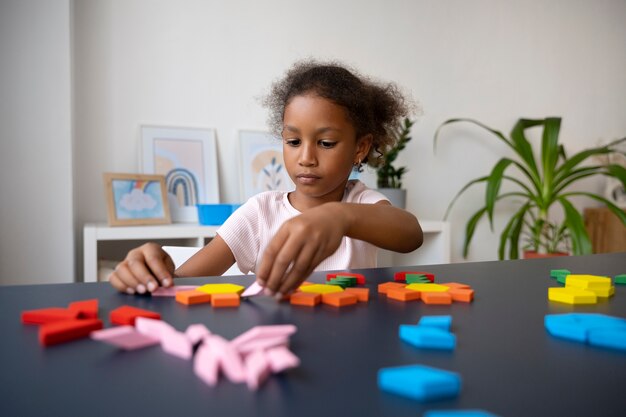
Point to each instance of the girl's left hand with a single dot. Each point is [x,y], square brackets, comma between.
[299,246]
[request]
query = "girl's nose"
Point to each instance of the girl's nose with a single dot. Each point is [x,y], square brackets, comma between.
[307,155]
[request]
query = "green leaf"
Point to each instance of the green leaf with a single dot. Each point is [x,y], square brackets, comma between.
[504,237]
[470,228]
[522,145]
[550,147]
[617,171]
[581,245]
[515,232]
[477,123]
[493,186]
[615,209]
[465,187]
[562,172]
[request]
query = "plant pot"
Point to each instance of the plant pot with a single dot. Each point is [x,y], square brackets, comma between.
[396,196]
[531,254]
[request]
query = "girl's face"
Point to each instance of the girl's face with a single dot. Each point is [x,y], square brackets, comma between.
[320,148]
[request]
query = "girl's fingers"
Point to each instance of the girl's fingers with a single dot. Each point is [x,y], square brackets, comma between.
[159,269]
[125,277]
[146,281]
[117,283]
[303,266]
[283,261]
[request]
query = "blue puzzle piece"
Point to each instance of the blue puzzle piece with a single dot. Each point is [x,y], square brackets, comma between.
[419,382]
[427,337]
[458,413]
[577,326]
[440,322]
[613,338]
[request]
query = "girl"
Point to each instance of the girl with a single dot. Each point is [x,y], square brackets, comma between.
[331,121]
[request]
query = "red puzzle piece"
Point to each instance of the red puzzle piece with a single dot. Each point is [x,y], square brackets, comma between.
[126,315]
[87,309]
[64,331]
[360,278]
[48,315]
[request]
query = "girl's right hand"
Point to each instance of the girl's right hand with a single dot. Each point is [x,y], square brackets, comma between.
[144,269]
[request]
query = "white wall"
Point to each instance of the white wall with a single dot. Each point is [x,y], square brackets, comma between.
[205,63]
[36,212]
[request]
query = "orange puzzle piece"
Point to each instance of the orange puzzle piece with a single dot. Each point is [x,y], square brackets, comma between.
[126,315]
[403,294]
[225,300]
[305,298]
[339,299]
[384,287]
[436,297]
[456,285]
[464,295]
[192,297]
[362,294]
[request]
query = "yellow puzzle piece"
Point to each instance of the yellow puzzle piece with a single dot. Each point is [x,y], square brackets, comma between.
[588,282]
[427,287]
[221,289]
[321,288]
[571,295]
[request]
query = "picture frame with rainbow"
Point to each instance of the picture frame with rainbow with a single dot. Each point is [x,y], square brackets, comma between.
[136,199]
[187,158]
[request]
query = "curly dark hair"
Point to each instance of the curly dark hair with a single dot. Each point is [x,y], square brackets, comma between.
[374,108]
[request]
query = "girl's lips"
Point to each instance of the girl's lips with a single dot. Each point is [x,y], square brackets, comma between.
[307,179]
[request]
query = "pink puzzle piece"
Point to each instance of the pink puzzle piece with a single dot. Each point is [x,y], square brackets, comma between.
[280,359]
[153,328]
[262,344]
[177,344]
[196,332]
[206,365]
[264,332]
[171,291]
[257,369]
[252,290]
[125,337]
[229,359]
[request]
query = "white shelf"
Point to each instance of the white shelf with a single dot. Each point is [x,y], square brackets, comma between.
[436,248]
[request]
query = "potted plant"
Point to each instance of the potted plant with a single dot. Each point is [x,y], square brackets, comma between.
[543,180]
[389,178]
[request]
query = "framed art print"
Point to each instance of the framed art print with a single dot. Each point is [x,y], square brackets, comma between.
[188,160]
[136,199]
[262,165]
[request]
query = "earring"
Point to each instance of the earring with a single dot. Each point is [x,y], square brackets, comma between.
[358,166]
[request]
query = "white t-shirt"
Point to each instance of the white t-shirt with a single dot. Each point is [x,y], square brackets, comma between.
[248,231]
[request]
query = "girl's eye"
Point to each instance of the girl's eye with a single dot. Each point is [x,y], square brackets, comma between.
[327,144]
[292,142]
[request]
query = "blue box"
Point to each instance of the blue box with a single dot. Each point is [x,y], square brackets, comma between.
[215,214]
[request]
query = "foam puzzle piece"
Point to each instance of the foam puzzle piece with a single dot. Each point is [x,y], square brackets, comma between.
[577,326]
[257,369]
[362,294]
[263,332]
[263,344]
[569,295]
[440,298]
[126,315]
[620,279]
[87,309]
[386,286]
[419,382]
[416,279]
[64,331]
[124,337]
[220,300]
[48,315]
[455,285]
[177,344]
[403,294]
[601,292]
[339,299]
[439,322]
[196,333]
[192,297]
[171,291]
[221,288]
[280,359]
[153,327]
[401,276]
[555,273]
[613,338]
[464,295]
[428,287]
[427,337]
[254,289]
[360,278]
[206,365]
[458,413]
[305,299]
[588,281]
[321,288]
[229,359]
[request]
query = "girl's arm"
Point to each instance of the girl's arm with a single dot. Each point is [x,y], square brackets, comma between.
[148,266]
[306,240]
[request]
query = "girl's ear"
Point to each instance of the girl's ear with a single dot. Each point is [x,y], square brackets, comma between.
[363,146]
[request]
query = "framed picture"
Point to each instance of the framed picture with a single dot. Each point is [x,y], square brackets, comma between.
[188,160]
[262,165]
[134,199]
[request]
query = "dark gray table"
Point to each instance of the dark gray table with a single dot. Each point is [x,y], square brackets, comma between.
[508,363]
